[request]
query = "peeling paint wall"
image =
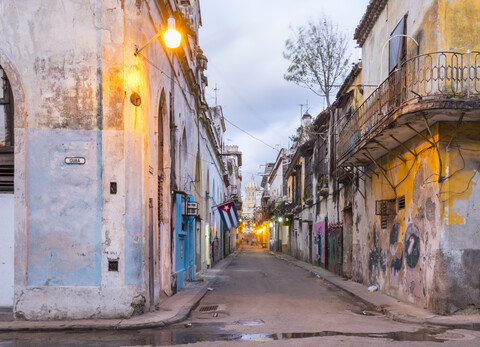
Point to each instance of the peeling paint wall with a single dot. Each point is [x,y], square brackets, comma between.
[72,69]
[427,252]
[6,250]
[422,24]
[459,213]
[399,255]
[458,24]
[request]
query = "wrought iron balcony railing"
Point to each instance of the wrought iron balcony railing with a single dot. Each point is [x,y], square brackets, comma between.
[438,75]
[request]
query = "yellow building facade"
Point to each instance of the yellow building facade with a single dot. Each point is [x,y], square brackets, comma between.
[413,144]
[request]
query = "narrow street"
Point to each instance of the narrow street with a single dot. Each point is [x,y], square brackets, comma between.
[262,299]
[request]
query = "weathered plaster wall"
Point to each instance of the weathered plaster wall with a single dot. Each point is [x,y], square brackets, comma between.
[366,264]
[460,218]
[77,86]
[422,24]
[6,249]
[74,258]
[458,24]
[401,257]
[427,253]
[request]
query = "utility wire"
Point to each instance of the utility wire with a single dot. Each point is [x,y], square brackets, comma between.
[254,137]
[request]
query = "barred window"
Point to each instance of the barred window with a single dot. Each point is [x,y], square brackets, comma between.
[6,134]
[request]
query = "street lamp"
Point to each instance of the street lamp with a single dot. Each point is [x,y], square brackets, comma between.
[171,37]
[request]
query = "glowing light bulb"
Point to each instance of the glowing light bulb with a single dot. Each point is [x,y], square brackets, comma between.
[172,37]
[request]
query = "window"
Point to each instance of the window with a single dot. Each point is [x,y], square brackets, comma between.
[397,50]
[6,134]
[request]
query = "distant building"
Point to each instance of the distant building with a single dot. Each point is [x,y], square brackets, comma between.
[250,202]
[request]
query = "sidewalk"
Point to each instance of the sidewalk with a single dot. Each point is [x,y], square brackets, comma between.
[391,307]
[173,310]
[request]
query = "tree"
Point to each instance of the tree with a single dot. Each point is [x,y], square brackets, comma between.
[318,60]
[318,57]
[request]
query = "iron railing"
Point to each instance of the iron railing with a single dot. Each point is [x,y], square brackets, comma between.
[438,75]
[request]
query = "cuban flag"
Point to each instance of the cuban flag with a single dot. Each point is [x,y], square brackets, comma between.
[229,215]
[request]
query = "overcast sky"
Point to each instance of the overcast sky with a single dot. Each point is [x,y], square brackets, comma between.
[244,42]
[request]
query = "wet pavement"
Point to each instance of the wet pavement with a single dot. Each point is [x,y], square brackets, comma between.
[179,334]
[260,299]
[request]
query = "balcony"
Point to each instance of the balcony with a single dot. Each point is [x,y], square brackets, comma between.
[439,86]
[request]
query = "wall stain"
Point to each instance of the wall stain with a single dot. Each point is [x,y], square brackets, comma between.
[396,256]
[377,260]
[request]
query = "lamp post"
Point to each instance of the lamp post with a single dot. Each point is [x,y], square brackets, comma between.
[171,37]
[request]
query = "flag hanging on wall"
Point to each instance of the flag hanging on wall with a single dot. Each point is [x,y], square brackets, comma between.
[229,215]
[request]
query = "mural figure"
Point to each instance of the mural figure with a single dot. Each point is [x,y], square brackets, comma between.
[319,246]
[412,246]
[396,255]
[377,260]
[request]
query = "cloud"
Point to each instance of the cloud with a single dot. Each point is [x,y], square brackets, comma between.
[244,42]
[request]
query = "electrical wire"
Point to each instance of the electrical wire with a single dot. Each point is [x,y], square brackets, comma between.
[252,136]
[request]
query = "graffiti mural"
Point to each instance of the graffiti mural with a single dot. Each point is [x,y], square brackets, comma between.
[335,245]
[319,243]
[377,260]
[396,255]
[412,246]
[414,274]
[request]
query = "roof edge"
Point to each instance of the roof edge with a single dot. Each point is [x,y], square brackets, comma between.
[374,8]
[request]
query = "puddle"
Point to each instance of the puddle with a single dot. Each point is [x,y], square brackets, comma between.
[365,313]
[199,332]
[250,323]
[257,337]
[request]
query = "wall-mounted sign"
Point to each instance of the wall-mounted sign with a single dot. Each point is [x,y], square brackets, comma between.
[75,160]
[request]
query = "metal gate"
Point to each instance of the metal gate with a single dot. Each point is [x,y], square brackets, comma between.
[335,248]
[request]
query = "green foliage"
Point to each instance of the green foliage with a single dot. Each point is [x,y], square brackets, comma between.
[322,181]
[318,57]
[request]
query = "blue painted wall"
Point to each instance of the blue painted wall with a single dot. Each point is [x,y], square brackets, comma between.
[184,242]
[63,218]
[134,222]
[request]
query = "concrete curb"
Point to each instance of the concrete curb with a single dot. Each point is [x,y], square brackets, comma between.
[124,324]
[401,312]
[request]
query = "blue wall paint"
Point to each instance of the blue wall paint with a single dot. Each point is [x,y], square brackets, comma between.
[180,235]
[133,222]
[184,242]
[64,234]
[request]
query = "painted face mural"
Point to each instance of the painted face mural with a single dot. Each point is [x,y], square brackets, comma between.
[412,246]
[396,255]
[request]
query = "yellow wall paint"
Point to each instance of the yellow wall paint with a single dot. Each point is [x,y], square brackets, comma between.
[459,24]
[427,33]
[461,160]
